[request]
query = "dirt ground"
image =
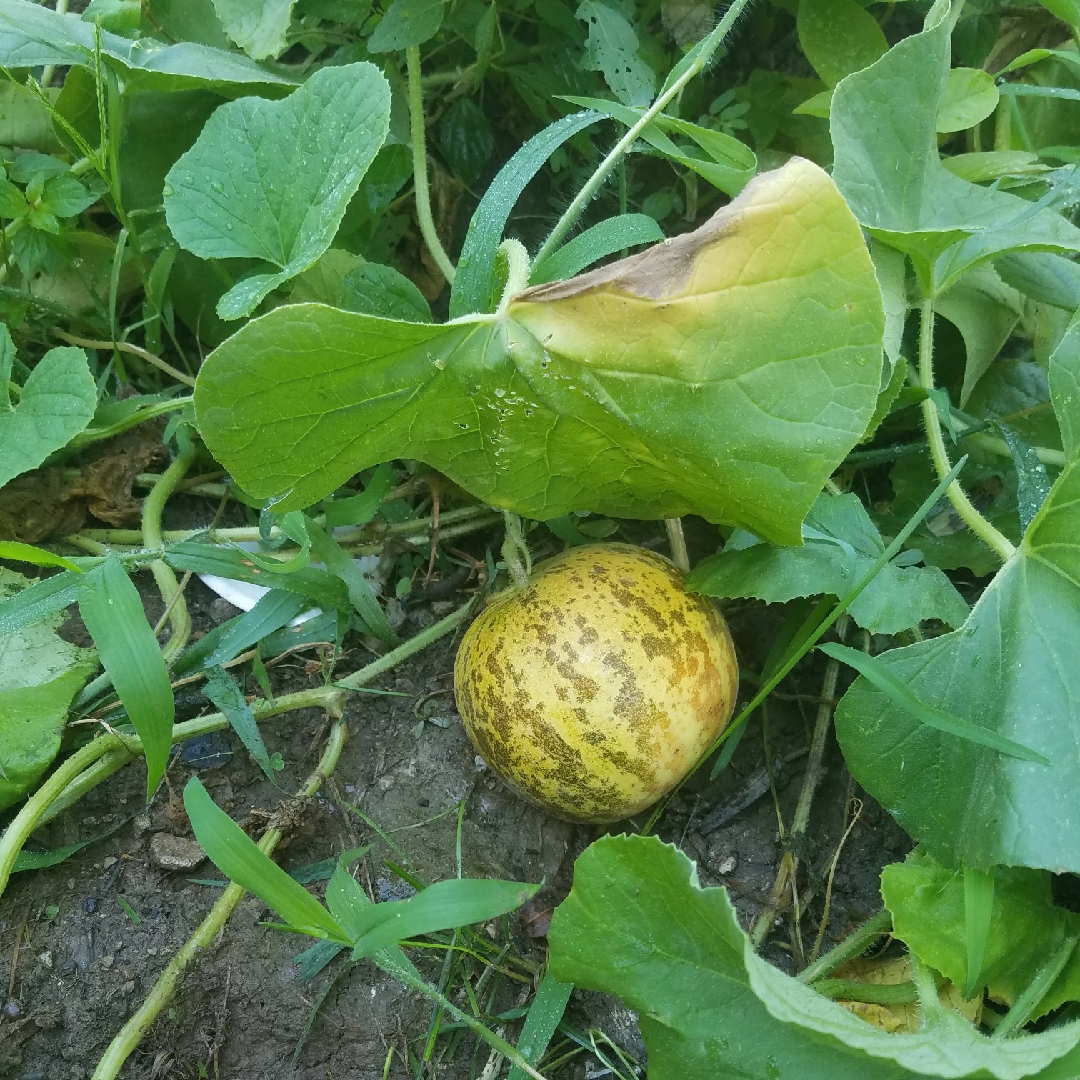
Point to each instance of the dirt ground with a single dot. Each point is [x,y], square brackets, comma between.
[78,965]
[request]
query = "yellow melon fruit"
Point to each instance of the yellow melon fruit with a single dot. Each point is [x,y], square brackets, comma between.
[593,690]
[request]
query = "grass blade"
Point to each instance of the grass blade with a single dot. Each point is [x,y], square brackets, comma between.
[224,691]
[113,613]
[978,910]
[1036,990]
[238,857]
[270,613]
[544,1015]
[10,549]
[476,265]
[603,239]
[361,594]
[40,599]
[324,589]
[900,695]
[442,906]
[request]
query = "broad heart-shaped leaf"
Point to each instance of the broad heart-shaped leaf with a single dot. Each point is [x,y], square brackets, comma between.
[638,924]
[39,675]
[883,122]
[725,372]
[257,26]
[926,900]
[1011,668]
[840,545]
[270,180]
[32,35]
[57,402]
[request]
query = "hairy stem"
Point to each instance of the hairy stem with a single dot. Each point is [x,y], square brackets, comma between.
[132,350]
[677,543]
[131,1034]
[592,185]
[517,276]
[420,176]
[971,517]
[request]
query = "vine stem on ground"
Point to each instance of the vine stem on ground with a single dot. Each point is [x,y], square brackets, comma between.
[592,185]
[168,586]
[420,176]
[131,1034]
[789,864]
[132,350]
[99,759]
[996,541]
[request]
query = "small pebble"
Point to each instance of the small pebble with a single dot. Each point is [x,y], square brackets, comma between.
[109,862]
[89,905]
[221,610]
[726,866]
[175,852]
[442,608]
[11,1009]
[108,961]
[46,959]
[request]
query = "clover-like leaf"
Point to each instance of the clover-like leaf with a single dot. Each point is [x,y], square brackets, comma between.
[725,372]
[230,195]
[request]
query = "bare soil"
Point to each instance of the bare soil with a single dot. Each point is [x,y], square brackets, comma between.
[79,965]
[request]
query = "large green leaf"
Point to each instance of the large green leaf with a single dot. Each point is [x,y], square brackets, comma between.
[926,900]
[883,122]
[840,545]
[231,196]
[638,924]
[257,26]
[726,373]
[56,403]
[1011,668]
[39,675]
[839,37]
[32,35]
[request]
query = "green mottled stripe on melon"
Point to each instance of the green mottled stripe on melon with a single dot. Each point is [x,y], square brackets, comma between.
[596,688]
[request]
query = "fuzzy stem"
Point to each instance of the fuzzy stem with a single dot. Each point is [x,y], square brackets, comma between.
[855,944]
[517,276]
[592,185]
[420,177]
[131,1034]
[971,517]
[515,551]
[677,543]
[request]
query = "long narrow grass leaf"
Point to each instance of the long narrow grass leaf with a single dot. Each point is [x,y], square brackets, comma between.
[323,588]
[442,906]
[39,600]
[544,1016]
[222,689]
[113,613]
[900,695]
[1028,1001]
[27,553]
[270,613]
[603,239]
[360,509]
[361,594]
[476,267]
[238,857]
